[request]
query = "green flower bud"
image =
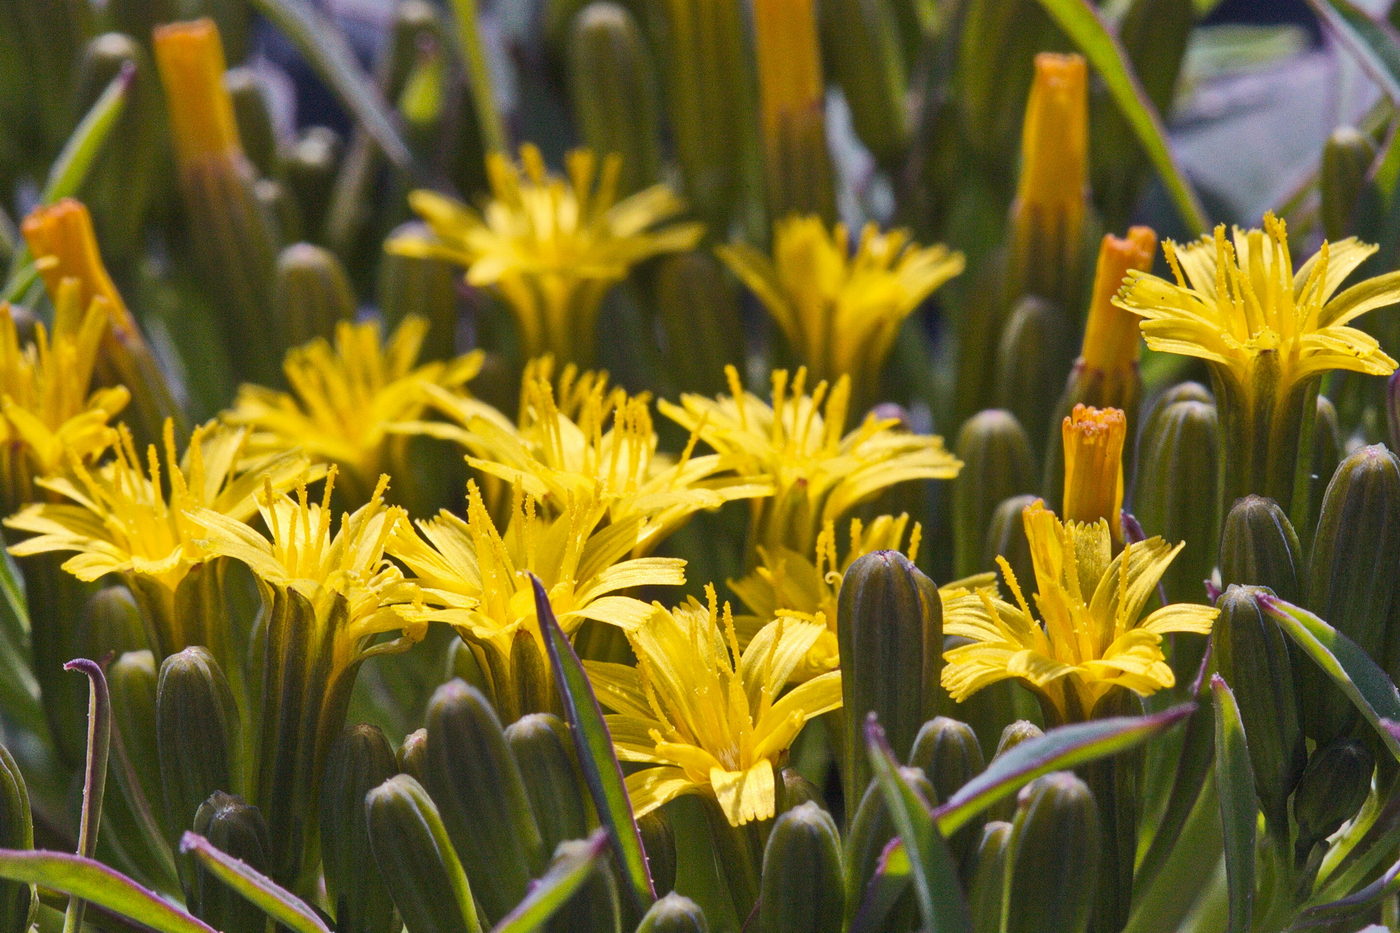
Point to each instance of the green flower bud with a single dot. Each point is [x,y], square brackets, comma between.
[1014,734]
[132,680]
[477,787]
[867,835]
[112,623]
[558,796]
[415,858]
[253,114]
[309,167]
[699,315]
[1052,857]
[1259,548]
[1035,351]
[860,42]
[801,888]
[425,287]
[997,464]
[987,893]
[659,843]
[674,913]
[1328,450]
[796,790]
[16,832]
[531,685]
[1333,787]
[237,828]
[196,735]
[412,755]
[359,761]
[311,294]
[948,753]
[595,905]
[992,89]
[889,629]
[1346,165]
[1006,537]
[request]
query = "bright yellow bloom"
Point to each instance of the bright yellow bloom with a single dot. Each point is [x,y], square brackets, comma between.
[819,471]
[1093,443]
[347,401]
[583,442]
[706,714]
[1238,305]
[50,414]
[841,312]
[1089,638]
[125,519]
[1111,341]
[551,246]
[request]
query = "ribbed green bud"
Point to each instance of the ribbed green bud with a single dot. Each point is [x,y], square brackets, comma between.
[112,623]
[674,913]
[549,770]
[699,315]
[1052,857]
[889,628]
[1259,548]
[1352,578]
[1333,787]
[1035,351]
[279,204]
[997,464]
[1346,165]
[991,89]
[613,88]
[1328,450]
[425,287]
[1178,457]
[359,761]
[796,790]
[595,905]
[309,166]
[861,49]
[312,293]
[802,884]
[196,735]
[1014,734]
[529,687]
[987,892]
[237,828]
[412,755]
[477,787]
[16,832]
[1006,537]
[415,858]
[948,753]
[659,842]
[132,679]
[39,46]
[867,835]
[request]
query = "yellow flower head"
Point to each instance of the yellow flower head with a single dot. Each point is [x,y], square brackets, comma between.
[1089,637]
[1093,442]
[841,312]
[552,246]
[819,471]
[64,245]
[706,714]
[1110,334]
[50,416]
[346,401]
[580,441]
[1238,304]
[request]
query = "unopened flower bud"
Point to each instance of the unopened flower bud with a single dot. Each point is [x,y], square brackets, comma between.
[802,886]
[1052,857]
[359,761]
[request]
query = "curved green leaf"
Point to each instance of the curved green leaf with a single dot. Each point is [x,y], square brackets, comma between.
[99,747]
[1239,808]
[264,893]
[92,881]
[1081,22]
[1374,42]
[555,887]
[1057,750]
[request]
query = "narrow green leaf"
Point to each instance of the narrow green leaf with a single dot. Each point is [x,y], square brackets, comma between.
[19,691]
[595,753]
[88,880]
[1341,659]
[328,52]
[473,55]
[890,881]
[931,866]
[1085,27]
[1192,771]
[554,888]
[1057,750]
[264,893]
[1239,809]
[99,746]
[1387,885]
[1373,41]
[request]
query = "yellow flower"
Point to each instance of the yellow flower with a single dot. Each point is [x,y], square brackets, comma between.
[1093,444]
[706,714]
[1089,638]
[474,577]
[347,401]
[584,442]
[551,246]
[50,414]
[120,518]
[841,313]
[819,471]
[190,57]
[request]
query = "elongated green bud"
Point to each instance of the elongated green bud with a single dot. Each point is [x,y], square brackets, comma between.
[1333,787]
[1035,351]
[992,89]
[16,832]
[412,755]
[867,835]
[699,314]
[558,796]
[890,632]
[659,842]
[987,892]
[1014,734]
[1352,578]
[415,858]
[310,166]
[132,680]
[247,89]
[1346,163]
[1328,451]
[531,686]
[312,293]
[359,761]
[1052,857]
[237,828]
[1179,457]
[477,787]
[674,913]
[802,889]
[1006,537]
[861,42]
[997,464]
[1259,548]
[196,735]
[612,83]
[425,287]
[112,623]
[948,753]
[39,46]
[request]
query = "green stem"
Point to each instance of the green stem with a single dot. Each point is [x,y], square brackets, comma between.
[493,129]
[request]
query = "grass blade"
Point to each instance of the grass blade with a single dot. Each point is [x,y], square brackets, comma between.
[555,887]
[87,880]
[1239,809]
